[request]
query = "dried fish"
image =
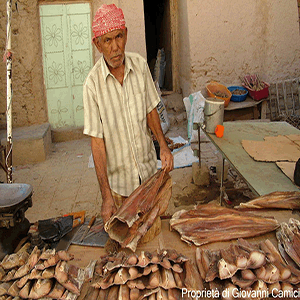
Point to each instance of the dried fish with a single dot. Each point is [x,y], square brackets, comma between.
[274,288]
[193,280]
[2,273]
[13,290]
[248,274]
[144,259]
[57,291]
[36,274]
[167,278]
[40,288]
[226,270]
[9,276]
[22,281]
[22,271]
[61,272]
[214,269]
[47,253]
[179,280]
[52,261]
[256,259]
[65,255]
[4,287]
[34,257]
[275,258]
[241,282]
[282,236]
[48,273]
[122,276]
[138,213]
[24,292]
[155,279]
[283,200]
[92,294]
[210,222]
[124,292]
[134,294]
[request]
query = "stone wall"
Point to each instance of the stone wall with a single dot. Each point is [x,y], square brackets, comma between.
[223,42]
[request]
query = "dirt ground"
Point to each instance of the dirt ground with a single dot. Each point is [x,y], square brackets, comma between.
[64,182]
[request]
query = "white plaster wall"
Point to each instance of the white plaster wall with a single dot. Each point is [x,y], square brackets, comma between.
[222,40]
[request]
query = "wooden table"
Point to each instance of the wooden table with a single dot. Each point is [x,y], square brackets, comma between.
[261,177]
[245,110]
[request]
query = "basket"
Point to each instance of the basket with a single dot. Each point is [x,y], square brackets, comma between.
[238,98]
[214,87]
[261,94]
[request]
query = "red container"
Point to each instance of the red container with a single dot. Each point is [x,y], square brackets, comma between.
[258,95]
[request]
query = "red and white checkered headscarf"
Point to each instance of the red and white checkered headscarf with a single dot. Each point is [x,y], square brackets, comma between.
[107,18]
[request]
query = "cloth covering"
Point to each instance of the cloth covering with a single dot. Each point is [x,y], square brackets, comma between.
[107,18]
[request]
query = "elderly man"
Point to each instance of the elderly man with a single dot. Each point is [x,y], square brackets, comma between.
[120,102]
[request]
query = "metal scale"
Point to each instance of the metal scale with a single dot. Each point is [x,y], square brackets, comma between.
[15,199]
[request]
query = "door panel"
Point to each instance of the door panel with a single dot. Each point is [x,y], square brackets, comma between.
[67,53]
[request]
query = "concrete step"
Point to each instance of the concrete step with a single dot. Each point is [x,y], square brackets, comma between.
[31,144]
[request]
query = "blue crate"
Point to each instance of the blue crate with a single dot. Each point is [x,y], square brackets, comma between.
[238,98]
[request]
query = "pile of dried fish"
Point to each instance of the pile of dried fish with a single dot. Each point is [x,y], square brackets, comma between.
[158,275]
[245,269]
[288,236]
[280,200]
[139,211]
[210,223]
[39,274]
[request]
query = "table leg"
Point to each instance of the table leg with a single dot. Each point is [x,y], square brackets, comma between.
[222,180]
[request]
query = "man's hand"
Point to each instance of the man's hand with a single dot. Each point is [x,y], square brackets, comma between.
[167,160]
[108,209]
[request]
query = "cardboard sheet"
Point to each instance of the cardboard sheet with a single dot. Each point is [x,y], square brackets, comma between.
[287,168]
[274,148]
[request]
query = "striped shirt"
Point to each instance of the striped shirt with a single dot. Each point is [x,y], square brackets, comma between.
[117,113]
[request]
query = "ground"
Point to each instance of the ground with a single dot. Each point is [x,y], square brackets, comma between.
[64,182]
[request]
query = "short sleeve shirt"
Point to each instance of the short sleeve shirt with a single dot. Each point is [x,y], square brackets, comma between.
[118,114]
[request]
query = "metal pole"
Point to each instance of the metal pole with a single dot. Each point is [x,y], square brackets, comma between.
[8,159]
[199,145]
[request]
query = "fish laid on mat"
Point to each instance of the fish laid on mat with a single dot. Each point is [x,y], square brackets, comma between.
[210,223]
[283,200]
[139,211]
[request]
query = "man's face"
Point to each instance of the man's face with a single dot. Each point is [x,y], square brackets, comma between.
[112,45]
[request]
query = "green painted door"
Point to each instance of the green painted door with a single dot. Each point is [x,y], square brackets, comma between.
[67,58]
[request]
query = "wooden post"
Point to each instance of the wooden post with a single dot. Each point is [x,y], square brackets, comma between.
[8,159]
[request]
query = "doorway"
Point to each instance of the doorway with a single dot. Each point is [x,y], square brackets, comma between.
[160,26]
[67,59]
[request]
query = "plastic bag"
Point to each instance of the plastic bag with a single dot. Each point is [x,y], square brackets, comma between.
[162,112]
[194,106]
[52,230]
[160,66]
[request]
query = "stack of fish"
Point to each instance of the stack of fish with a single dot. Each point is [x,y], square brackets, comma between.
[246,267]
[39,274]
[158,275]
[288,236]
[140,210]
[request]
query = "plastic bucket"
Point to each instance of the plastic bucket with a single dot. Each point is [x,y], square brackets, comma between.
[213,114]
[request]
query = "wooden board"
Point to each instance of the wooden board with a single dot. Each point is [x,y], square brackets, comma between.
[167,239]
[249,102]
